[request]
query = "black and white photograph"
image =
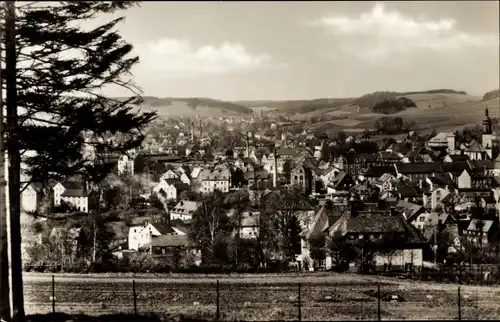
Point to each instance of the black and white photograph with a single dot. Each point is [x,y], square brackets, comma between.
[249,160]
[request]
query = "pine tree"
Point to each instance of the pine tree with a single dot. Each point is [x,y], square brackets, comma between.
[54,73]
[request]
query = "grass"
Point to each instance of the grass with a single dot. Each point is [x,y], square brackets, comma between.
[324,296]
[446,112]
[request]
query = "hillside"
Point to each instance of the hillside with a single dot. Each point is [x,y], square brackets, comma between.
[491,94]
[440,108]
[369,100]
[325,105]
[205,107]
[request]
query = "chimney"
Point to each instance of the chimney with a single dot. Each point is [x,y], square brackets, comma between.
[275,170]
[248,146]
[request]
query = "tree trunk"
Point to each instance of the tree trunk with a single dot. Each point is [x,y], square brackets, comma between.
[4,264]
[14,229]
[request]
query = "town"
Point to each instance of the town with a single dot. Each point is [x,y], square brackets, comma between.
[249,194]
[173,161]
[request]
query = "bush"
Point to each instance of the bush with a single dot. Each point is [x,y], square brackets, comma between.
[392,105]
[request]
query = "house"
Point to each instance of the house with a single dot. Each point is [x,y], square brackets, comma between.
[76,195]
[355,228]
[408,193]
[440,180]
[217,178]
[250,224]
[342,182]
[409,210]
[365,192]
[439,219]
[327,174]
[386,182]
[443,140]
[134,237]
[182,173]
[358,163]
[302,176]
[327,215]
[439,197]
[174,246]
[169,174]
[472,179]
[170,189]
[417,171]
[184,210]
[420,221]
[31,197]
[373,173]
[482,232]
[475,151]
[141,236]
[126,163]
[268,163]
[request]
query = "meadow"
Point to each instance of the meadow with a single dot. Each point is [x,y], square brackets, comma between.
[323,296]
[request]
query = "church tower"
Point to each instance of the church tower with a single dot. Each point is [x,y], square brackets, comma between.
[487,134]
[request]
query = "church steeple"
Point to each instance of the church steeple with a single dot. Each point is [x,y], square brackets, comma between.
[486,122]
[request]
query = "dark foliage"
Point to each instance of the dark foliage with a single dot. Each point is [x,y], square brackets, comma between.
[393,125]
[391,106]
[59,94]
[491,94]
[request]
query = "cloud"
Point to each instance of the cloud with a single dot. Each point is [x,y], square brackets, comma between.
[177,58]
[380,35]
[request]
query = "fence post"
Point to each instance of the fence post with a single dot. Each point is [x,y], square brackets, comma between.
[135,297]
[217,313]
[53,295]
[378,302]
[459,305]
[300,309]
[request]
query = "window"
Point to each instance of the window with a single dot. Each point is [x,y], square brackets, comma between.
[422,219]
[360,236]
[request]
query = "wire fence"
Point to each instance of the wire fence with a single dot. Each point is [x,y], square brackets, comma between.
[236,300]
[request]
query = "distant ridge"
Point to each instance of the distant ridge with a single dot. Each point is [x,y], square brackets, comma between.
[491,94]
[169,106]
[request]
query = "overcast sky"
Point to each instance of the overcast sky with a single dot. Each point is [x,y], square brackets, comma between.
[302,50]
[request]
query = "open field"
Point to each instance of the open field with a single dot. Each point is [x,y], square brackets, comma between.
[446,112]
[439,111]
[324,296]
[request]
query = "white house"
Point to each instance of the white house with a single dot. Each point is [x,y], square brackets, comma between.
[250,225]
[421,221]
[170,189]
[74,194]
[184,210]
[141,236]
[31,197]
[386,182]
[218,178]
[169,174]
[328,175]
[134,237]
[126,163]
